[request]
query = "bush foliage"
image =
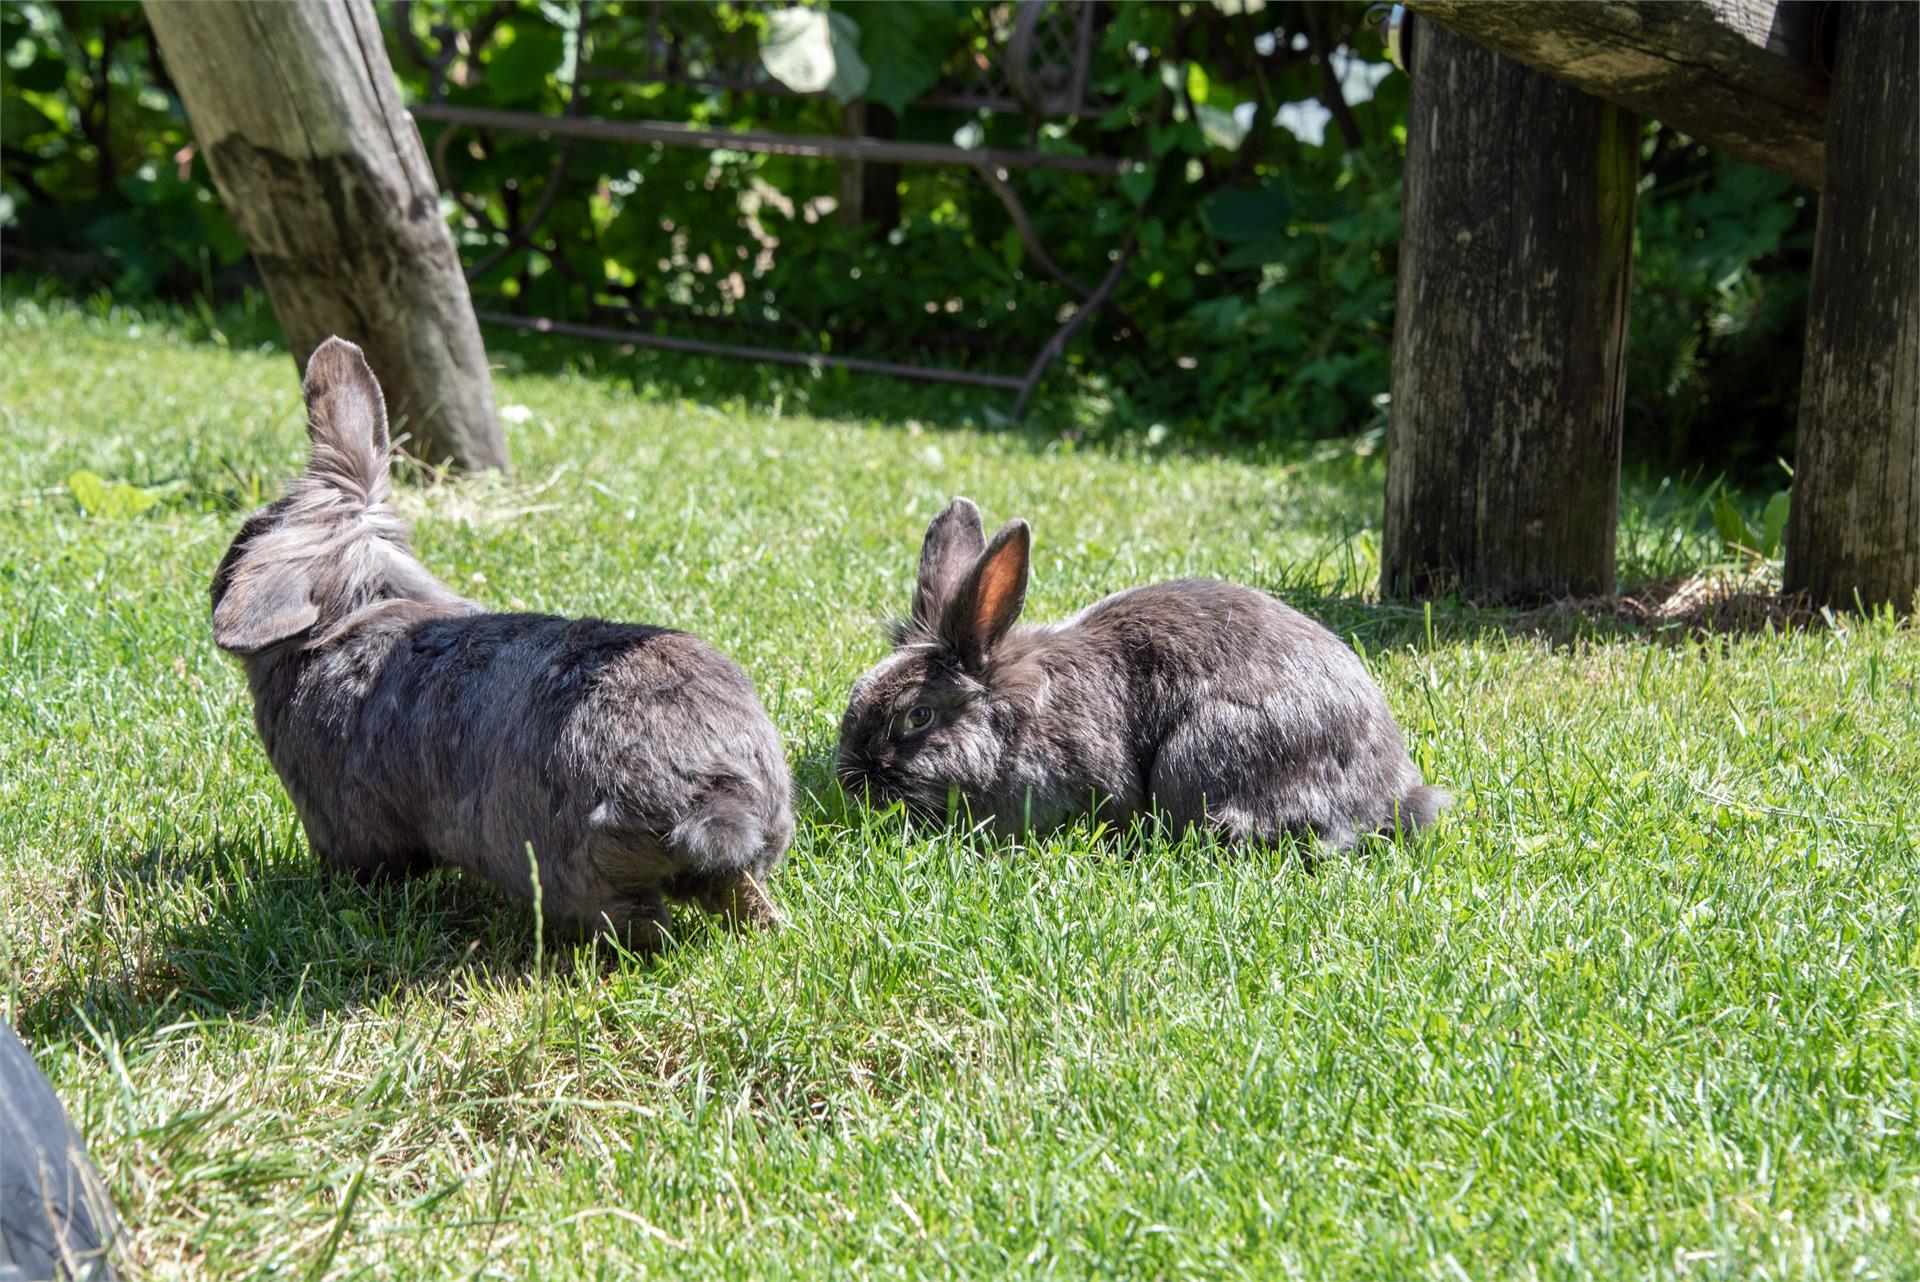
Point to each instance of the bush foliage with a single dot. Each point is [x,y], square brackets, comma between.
[1263,209]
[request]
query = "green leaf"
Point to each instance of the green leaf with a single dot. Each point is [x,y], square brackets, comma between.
[221,236]
[118,230]
[814,51]
[904,42]
[1198,85]
[128,500]
[1733,528]
[1244,216]
[1221,128]
[1773,523]
[88,490]
[1257,254]
[519,72]
[1137,183]
[1182,135]
[115,502]
[1013,250]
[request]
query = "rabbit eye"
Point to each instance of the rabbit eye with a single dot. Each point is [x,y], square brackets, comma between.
[914,719]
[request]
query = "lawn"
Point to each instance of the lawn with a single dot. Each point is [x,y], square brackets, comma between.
[1646,1003]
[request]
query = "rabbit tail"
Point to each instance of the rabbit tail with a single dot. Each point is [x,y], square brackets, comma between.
[737,823]
[1423,805]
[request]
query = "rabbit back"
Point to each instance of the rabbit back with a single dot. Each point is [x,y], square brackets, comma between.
[633,760]
[1259,721]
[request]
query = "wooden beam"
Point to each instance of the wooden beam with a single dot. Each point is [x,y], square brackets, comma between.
[1735,74]
[1509,342]
[672,133]
[297,113]
[737,351]
[1855,527]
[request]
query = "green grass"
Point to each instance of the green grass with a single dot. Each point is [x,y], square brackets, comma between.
[1643,1005]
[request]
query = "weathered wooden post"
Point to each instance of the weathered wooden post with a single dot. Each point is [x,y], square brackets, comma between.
[1510,333]
[1855,526]
[323,172]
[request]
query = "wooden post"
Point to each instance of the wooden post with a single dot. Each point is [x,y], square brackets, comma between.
[869,195]
[851,213]
[880,199]
[296,110]
[1855,527]
[1503,464]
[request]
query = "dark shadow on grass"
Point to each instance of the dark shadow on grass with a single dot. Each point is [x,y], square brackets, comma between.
[232,931]
[1056,420]
[247,321]
[1670,611]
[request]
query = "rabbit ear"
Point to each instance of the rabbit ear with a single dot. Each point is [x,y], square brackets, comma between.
[346,419]
[955,541]
[262,607]
[990,598]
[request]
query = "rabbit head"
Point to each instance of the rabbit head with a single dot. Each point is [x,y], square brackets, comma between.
[331,548]
[929,717]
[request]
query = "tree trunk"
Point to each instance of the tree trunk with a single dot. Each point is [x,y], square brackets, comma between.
[296,110]
[1855,524]
[1503,464]
[1740,75]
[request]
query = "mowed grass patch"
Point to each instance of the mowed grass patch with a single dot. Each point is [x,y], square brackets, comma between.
[1644,1004]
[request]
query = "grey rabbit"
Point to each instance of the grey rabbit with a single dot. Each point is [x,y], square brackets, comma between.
[414,729]
[1208,703]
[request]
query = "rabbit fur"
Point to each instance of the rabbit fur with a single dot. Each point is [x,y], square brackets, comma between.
[1203,702]
[413,728]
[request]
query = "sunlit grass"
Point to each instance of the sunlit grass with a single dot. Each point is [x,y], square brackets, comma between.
[1645,1004]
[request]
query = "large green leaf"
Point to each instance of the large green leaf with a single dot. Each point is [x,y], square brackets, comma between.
[1138,181]
[1248,216]
[814,51]
[1773,523]
[1221,128]
[904,42]
[519,72]
[1734,531]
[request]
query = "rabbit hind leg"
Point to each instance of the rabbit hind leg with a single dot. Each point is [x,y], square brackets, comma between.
[612,885]
[374,867]
[639,924]
[1225,768]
